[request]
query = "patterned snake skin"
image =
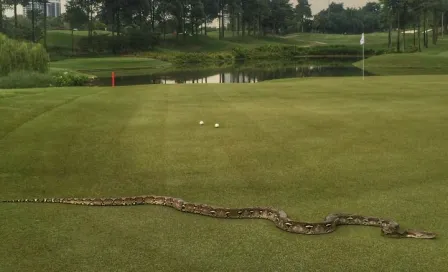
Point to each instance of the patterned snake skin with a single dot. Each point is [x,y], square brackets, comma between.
[389,228]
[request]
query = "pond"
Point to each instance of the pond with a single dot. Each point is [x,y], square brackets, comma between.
[235,74]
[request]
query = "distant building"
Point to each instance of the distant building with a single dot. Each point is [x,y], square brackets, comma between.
[53,8]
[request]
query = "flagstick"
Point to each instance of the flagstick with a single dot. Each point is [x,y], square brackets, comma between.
[362,41]
[362,61]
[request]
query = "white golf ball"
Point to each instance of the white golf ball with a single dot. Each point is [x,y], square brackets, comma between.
[201,123]
[216,125]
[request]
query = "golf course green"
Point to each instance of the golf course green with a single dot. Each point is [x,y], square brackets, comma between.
[311,146]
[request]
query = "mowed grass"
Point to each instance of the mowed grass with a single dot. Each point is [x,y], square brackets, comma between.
[102,66]
[212,43]
[376,40]
[376,147]
[406,64]
[63,38]
[203,43]
[432,60]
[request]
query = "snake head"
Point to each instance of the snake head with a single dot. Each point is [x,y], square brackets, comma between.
[420,234]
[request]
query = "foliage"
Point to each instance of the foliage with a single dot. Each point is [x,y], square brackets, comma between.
[21,28]
[75,16]
[69,78]
[27,79]
[20,55]
[130,21]
[337,19]
[303,13]
[134,40]
[199,58]
[266,52]
[291,52]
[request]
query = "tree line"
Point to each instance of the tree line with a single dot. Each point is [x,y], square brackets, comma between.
[158,18]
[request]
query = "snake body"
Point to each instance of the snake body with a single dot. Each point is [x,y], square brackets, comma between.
[389,228]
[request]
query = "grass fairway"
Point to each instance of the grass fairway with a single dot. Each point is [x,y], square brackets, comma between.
[377,147]
[103,66]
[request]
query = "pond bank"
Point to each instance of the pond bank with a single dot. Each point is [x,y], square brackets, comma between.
[137,70]
[233,74]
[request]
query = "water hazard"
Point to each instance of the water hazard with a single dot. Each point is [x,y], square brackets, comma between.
[232,75]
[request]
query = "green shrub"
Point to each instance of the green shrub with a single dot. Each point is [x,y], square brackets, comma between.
[338,50]
[21,56]
[31,79]
[202,58]
[291,52]
[266,52]
[66,78]
[25,79]
[197,59]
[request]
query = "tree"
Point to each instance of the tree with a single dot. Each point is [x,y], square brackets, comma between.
[371,17]
[44,5]
[280,11]
[14,4]
[2,8]
[162,15]
[386,18]
[196,15]
[211,10]
[55,22]
[302,12]
[76,17]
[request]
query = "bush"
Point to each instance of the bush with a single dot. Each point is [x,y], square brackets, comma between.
[339,50]
[23,31]
[21,56]
[202,58]
[27,79]
[193,58]
[291,52]
[69,78]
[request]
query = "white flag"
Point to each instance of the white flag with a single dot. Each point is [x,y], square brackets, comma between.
[362,39]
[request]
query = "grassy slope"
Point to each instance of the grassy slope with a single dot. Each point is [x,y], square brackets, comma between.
[63,38]
[373,40]
[210,43]
[416,63]
[314,146]
[432,60]
[103,66]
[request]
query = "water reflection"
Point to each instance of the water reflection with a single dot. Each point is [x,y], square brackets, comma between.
[234,75]
[218,78]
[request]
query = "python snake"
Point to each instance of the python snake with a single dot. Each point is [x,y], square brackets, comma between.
[389,228]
